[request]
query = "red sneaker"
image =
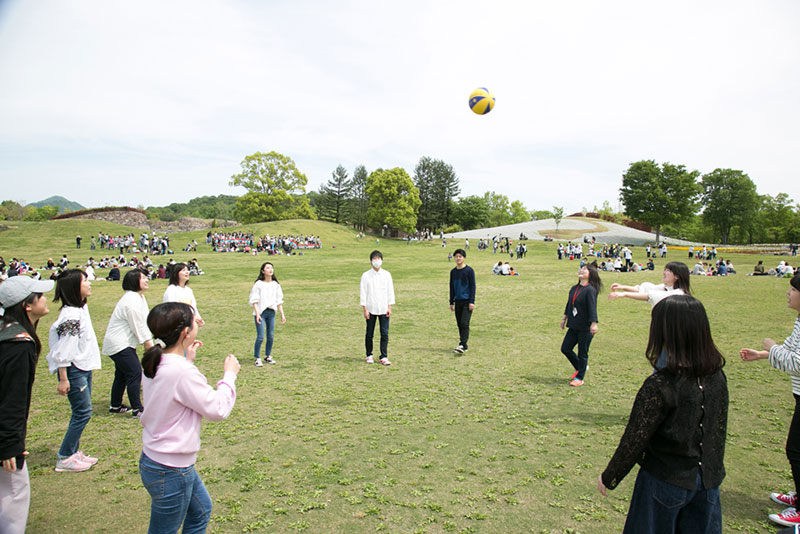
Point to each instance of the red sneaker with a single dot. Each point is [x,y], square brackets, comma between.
[786,499]
[788,518]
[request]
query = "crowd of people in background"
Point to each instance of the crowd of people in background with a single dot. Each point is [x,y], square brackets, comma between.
[271,244]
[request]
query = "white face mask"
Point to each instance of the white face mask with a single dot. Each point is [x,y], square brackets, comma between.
[377,262]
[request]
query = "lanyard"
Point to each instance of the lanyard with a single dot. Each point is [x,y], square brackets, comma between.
[575,295]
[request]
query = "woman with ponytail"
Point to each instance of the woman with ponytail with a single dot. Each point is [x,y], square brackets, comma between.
[176,398]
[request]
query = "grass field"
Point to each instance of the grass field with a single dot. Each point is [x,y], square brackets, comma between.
[492,442]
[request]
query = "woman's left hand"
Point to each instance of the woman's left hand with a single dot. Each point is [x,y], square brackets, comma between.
[191,350]
[601,487]
[63,387]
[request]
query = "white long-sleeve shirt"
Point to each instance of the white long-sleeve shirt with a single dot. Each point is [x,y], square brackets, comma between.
[377,291]
[176,293]
[128,324]
[657,292]
[266,295]
[175,402]
[72,341]
[786,357]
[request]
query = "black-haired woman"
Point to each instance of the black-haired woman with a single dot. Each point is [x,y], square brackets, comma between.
[786,358]
[674,281]
[24,304]
[677,428]
[178,290]
[266,298]
[580,318]
[127,329]
[177,397]
[73,355]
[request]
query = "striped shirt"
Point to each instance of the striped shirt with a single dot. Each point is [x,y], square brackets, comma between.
[786,357]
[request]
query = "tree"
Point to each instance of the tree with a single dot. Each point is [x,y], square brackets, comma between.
[729,199]
[332,204]
[471,212]
[499,210]
[393,200]
[558,214]
[438,186]
[271,180]
[519,213]
[538,215]
[359,201]
[659,195]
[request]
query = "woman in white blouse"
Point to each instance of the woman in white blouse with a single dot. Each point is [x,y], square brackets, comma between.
[74,355]
[127,329]
[674,281]
[266,298]
[178,290]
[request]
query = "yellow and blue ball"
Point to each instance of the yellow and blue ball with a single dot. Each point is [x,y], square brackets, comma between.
[481,101]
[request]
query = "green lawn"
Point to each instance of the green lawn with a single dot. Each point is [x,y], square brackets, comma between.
[495,441]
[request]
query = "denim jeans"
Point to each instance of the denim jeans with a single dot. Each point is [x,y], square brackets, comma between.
[177,495]
[268,324]
[80,400]
[582,338]
[660,508]
[384,326]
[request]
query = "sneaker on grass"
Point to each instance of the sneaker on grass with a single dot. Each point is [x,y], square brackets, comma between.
[369,359]
[385,361]
[118,409]
[575,382]
[786,499]
[71,464]
[91,460]
[269,359]
[788,518]
[258,362]
[459,349]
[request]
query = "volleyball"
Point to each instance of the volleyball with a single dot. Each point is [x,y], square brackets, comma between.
[481,101]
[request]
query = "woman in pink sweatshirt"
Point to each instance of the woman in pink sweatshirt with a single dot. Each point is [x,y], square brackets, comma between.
[176,398]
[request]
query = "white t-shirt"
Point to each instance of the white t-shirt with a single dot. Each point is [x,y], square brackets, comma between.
[266,295]
[128,324]
[176,293]
[72,341]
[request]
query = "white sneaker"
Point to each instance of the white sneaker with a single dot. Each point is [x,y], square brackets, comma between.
[258,363]
[71,464]
[270,360]
[385,361]
[369,359]
[459,349]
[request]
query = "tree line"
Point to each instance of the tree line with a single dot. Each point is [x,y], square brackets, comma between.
[722,206]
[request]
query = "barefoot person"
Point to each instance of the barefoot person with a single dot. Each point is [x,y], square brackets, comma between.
[24,304]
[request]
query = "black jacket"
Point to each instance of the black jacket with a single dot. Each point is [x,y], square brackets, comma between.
[677,426]
[18,359]
[585,303]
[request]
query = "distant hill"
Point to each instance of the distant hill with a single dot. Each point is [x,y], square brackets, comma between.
[61,203]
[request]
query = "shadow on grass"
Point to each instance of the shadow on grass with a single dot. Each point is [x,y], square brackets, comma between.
[545,380]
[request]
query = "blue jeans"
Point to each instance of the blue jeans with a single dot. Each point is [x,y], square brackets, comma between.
[177,496]
[660,508]
[80,400]
[268,324]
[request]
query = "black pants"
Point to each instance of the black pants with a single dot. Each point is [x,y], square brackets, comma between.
[384,327]
[127,375]
[793,444]
[582,338]
[463,316]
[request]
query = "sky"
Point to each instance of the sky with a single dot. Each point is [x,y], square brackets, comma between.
[110,102]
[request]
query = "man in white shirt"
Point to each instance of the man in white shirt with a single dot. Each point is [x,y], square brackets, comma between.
[377,298]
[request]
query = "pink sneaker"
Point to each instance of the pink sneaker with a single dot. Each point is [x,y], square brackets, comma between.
[91,460]
[71,464]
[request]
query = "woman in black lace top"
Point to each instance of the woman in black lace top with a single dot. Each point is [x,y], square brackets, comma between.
[677,427]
